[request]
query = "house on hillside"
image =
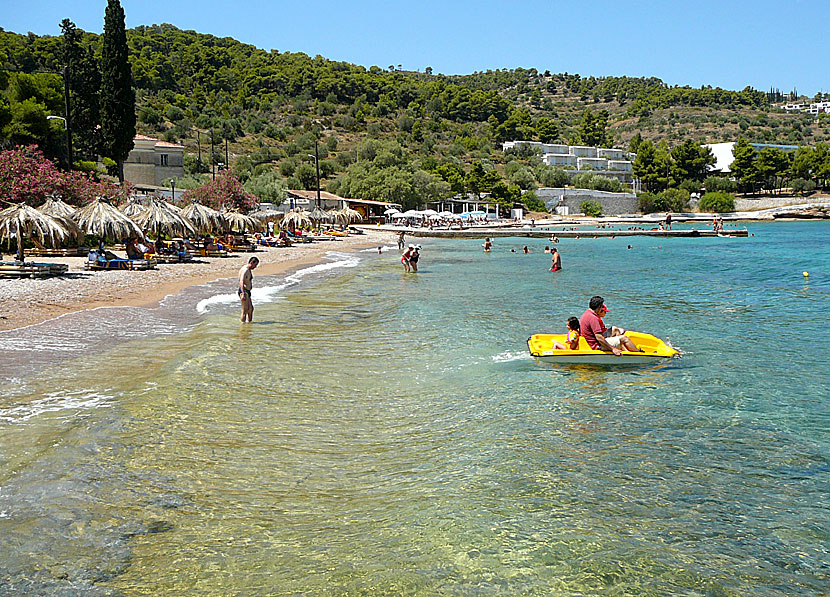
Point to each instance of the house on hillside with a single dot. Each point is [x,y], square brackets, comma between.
[614,163]
[152,161]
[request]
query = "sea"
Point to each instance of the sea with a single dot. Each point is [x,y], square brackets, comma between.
[374,432]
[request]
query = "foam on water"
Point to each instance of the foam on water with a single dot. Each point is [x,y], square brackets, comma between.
[266,294]
[52,403]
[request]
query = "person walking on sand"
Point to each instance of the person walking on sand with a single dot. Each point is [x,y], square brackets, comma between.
[556,260]
[246,284]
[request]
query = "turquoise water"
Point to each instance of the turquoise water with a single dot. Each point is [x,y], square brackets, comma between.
[380,433]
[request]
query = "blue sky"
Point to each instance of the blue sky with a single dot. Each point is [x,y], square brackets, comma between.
[730,44]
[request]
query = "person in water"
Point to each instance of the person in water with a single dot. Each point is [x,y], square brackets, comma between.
[556,260]
[406,257]
[413,258]
[487,245]
[572,339]
[246,284]
[525,250]
[597,335]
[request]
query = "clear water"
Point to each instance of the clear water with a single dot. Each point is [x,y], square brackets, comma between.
[380,433]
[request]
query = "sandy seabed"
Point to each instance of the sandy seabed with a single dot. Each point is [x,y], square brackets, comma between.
[29,301]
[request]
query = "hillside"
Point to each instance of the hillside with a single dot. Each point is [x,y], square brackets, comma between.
[385,133]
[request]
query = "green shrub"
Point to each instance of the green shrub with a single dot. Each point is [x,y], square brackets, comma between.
[674,200]
[591,208]
[649,203]
[717,202]
[532,202]
[800,185]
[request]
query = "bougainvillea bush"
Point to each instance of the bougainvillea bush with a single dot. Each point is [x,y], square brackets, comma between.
[226,191]
[26,176]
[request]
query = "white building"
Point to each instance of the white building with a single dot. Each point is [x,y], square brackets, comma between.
[151,162]
[616,163]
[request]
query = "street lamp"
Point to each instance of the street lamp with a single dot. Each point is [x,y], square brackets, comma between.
[317,165]
[68,137]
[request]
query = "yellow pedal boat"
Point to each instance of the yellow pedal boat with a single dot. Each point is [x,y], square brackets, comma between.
[654,350]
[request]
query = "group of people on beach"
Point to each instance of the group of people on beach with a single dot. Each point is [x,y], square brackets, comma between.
[598,337]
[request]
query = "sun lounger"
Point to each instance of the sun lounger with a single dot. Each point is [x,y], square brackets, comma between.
[46,252]
[15,269]
[97,261]
[169,257]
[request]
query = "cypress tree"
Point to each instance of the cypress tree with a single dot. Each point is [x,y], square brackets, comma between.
[117,95]
[85,86]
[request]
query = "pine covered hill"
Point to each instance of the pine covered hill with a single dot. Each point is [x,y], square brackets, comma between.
[388,134]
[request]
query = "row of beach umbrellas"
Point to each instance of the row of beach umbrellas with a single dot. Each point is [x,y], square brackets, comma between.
[55,221]
[428,214]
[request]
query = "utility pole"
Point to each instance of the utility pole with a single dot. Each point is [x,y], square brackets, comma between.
[316,163]
[68,121]
[227,160]
[199,147]
[212,161]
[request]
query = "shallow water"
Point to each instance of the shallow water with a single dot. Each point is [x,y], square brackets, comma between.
[378,433]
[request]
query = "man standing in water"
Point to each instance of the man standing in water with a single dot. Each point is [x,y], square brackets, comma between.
[246,283]
[556,260]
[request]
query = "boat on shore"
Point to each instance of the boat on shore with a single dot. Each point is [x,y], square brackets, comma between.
[654,350]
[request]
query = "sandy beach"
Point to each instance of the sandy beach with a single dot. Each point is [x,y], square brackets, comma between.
[29,301]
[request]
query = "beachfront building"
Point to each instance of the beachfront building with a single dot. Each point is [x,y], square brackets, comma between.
[152,161]
[574,159]
[468,204]
[724,155]
[371,211]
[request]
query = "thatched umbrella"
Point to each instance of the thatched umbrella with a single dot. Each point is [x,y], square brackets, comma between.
[235,221]
[296,218]
[338,216]
[101,219]
[203,217]
[132,207]
[160,218]
[318,216]
[21,220]
[352,214]
[55,206]
[266,214]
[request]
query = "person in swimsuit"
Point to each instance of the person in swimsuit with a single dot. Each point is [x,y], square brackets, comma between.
[405,258]
[556,260]
[487,245]
[246,284]
[413,258]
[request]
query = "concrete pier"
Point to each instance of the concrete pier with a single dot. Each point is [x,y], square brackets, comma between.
[537,232]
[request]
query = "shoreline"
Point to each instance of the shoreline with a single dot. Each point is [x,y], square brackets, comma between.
[26,302]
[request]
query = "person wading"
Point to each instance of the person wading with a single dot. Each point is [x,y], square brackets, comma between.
[246,284]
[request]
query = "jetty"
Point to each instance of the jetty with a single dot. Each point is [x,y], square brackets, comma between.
[546,231]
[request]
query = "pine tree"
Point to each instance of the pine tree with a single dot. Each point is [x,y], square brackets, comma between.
[117,95]
[84,81]
[743,166]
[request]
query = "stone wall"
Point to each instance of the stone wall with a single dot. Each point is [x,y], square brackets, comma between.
[613,204]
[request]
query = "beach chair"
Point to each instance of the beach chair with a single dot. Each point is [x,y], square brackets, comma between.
[47,252]
[98,262]
[16,269]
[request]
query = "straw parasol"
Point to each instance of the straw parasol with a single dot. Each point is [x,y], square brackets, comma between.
[20,220]
[352,214]
[204,218]
[101,219]
[296,218]
[160,218]
[319,216]
[240,222]
[266,214]
[132,207]
[55,206]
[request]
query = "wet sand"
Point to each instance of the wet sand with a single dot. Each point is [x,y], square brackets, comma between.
[29,301]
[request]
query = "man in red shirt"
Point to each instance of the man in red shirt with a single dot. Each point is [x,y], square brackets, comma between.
[595,333]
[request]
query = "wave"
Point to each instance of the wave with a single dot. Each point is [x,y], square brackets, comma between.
[266,294]
[53,403]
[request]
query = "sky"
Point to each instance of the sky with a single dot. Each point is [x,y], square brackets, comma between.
[729,44]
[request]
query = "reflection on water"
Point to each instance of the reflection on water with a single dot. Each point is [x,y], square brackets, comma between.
[379,433]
